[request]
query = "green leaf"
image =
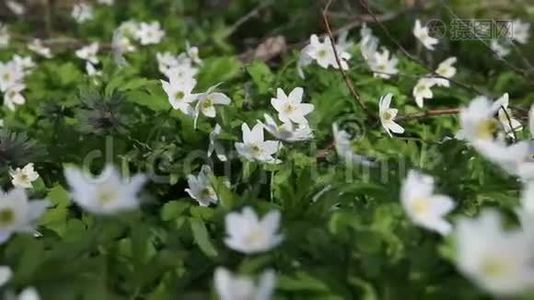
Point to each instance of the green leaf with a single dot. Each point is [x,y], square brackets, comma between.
[173,209]
[153,99]
[301,282]
[261,75]
[59,197]
[216,70]
[201,236]
[138,83]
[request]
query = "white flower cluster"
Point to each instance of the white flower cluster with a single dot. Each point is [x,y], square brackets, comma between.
[498,260]
[422,90]
[145,33]
[12,74]
[322,52]
[380,63]
[181,71]
[292,113]
[486,124]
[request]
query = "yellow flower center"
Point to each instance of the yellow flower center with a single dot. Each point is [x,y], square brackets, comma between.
[6,76]
[106,194]
[7,216]
[387,116]
[255,237]
[420,206]
[322,53]
[492,267]
[256,150]
[206,192]
[288,108]
[207,103]
[179,95]
[486,129]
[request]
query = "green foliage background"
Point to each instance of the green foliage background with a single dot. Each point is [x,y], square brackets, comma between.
[346,236]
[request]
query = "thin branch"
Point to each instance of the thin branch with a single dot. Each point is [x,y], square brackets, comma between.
[390,36]
[251,14]
[430,113]
[346,78]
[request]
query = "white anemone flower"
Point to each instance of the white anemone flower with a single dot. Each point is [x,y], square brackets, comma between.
[423,207]
[214,145]
[423,90]
[508,122]
[13,96]
[150,33]
[422,34]
[17,214]
[192,53]
[88,53]
[247,233]
[287,132]
[499,49]
[82,12]
[24,62]
[388,115]
[497,260]
[447,70]
[290,107]
[477,120]
[343,145]
[520,31]
[105,194]
[322,52]
[382,65]
[200,187]
[23,178]
[11,74]
[180,94]
[235,287]
[37,46]
[91,70]
[255,147]
[207,101]
[516,159]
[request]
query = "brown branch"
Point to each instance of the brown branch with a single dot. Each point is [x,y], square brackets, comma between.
[251,14]
[346,78]
[63,42]
[430,113]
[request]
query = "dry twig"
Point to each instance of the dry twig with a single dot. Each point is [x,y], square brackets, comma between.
[346,78]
